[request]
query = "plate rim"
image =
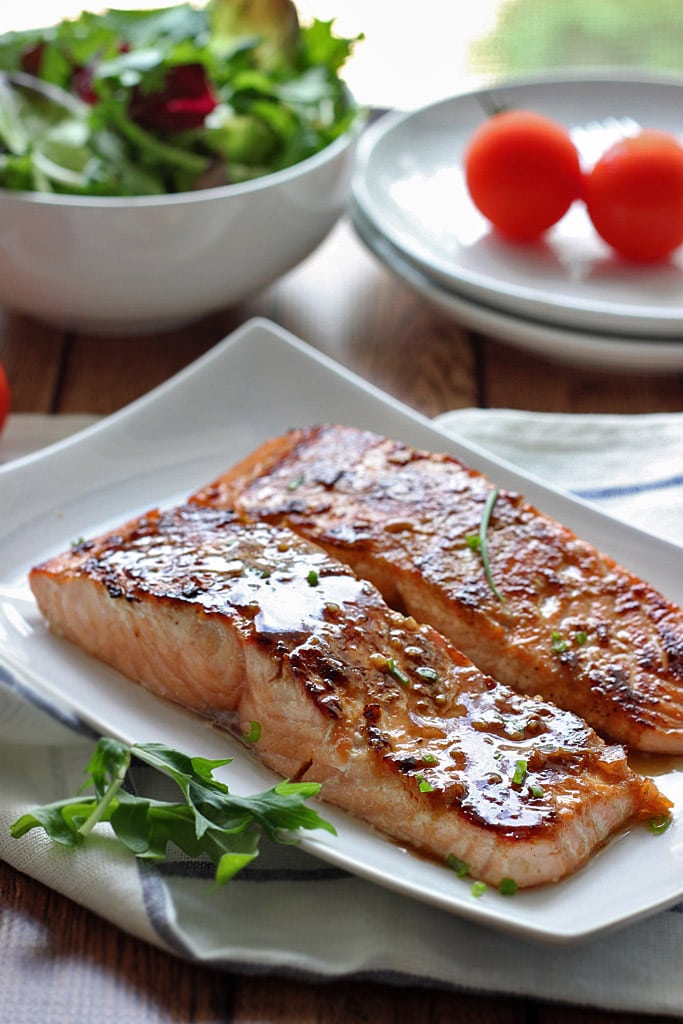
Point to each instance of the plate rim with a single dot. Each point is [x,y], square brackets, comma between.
[623,320]
[591,349]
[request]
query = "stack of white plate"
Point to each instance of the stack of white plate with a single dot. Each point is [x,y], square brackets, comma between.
[567,297]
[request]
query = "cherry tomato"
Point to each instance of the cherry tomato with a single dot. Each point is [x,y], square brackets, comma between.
[634,196]
[4,397]
[522,172]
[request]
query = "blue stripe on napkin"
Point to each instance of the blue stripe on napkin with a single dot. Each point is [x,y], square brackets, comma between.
[624,490]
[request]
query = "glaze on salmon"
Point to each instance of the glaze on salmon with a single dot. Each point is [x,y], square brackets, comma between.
[247,622]
[572,625]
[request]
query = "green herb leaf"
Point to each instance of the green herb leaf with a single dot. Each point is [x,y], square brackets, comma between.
[482,544]
[61,820]
[660,824]
[460,867]
[520,772]
[211,822]
[254,734]
[559,644]
[398,673]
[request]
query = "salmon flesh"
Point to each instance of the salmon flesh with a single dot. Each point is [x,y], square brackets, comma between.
[553,616]
[246,622]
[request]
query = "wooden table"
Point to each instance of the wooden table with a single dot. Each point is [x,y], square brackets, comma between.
[66,965]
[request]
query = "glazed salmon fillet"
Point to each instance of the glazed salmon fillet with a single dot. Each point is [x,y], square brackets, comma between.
[555,617]
[249,623]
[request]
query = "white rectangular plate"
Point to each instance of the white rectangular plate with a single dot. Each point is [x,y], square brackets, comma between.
[258,383]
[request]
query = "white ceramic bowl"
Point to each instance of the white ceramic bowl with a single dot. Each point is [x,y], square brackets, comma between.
[114,265]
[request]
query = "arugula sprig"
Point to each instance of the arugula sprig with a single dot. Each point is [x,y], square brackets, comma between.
[211,822]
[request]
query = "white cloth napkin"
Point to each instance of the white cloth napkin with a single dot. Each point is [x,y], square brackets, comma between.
[632,466]
[292,914]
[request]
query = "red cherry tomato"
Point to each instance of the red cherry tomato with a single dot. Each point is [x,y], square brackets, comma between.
[4,397]
[634,196]
[522,172]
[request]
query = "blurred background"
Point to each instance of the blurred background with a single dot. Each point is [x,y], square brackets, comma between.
[418,52]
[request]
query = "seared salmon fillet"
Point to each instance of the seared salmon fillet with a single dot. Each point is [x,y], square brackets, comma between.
[555,617]
[250,623]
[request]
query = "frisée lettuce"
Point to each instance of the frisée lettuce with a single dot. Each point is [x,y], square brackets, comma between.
[147,102]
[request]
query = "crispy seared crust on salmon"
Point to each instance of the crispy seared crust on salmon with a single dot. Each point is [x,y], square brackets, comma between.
[246,622]
[572,625]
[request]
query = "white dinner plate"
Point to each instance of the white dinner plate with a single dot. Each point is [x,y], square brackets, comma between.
[598,351]
[255,384]
[408,181]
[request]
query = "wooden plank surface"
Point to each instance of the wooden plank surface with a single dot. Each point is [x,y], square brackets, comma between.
[344,303]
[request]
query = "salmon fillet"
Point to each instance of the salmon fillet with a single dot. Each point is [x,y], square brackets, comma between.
[249,623]
[556,617]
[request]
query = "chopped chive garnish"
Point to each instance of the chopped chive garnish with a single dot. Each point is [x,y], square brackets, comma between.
[507,887]
[520,772]
[536,791]
[429,759]
[295,482]
[660,824]
[473,541]
[254,733]
[460,867]
[313,578]
[397,673]
[482,541]
[560,645]
[425,672]
[580,637]
[423,785]
[478,889]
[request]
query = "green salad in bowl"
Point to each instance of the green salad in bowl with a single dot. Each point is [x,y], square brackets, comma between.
[171,100]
